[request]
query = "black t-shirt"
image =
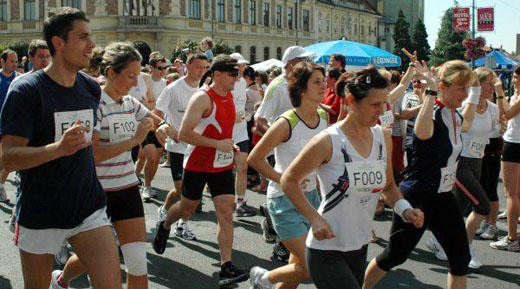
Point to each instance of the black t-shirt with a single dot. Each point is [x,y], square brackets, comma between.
[61,193]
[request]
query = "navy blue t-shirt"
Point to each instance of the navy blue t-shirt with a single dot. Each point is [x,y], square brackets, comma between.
[4,85]
[63,192]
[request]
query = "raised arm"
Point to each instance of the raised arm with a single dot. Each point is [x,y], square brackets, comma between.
[473,99]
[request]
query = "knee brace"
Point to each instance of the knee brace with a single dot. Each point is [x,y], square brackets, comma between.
[134,255]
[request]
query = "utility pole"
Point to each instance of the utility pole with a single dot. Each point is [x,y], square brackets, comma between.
[473,28]
[212,9]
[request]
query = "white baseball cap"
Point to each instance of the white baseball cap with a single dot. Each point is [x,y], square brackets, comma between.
[294,52]
[239,58]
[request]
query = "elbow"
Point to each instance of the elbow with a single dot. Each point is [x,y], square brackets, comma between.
[422,135]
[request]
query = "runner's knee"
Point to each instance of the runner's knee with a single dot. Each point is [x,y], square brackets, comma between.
[134,255]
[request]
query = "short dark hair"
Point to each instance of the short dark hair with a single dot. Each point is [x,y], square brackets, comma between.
[223,62]
[5,54]
[117,56]
[362,81]
[340,58]
[339,87]
[156,57]
[396,76]
[35,45]
[263,76]
[298,78]
[60,24]
[194,56]
[249,72]
[208,40]
[334,73]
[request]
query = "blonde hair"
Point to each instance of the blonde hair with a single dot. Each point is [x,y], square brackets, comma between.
[455,72]
[483,73]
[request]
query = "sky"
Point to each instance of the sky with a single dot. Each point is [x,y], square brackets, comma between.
[507,20]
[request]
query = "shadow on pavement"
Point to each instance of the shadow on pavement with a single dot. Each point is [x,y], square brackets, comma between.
[403,279]
[5,283]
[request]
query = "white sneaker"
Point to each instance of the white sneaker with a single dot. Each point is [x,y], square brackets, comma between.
[3,194]
[474,263]
[255,275]
[436,248]
[147,193]
[54,280]
[502,215]
[491,233]
[183,231]
[161,213]
[62,256]
[483,227]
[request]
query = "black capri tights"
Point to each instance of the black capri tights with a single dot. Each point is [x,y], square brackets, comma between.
[442,216]
[469,191]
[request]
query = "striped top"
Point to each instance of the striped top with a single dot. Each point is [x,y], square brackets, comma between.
[118,122]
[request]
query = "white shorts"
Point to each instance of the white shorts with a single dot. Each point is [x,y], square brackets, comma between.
[50,241]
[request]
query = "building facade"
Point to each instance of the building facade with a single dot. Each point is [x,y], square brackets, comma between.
[259,29]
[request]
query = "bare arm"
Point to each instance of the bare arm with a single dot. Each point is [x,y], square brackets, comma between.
[505,109]
[400,89]
[409,113]
[150,97]
[261,125]
[273,137]
[473,99]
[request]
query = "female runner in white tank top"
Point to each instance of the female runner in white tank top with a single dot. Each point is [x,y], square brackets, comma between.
[354,167]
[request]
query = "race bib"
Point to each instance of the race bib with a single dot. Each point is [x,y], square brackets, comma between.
[477,147]
[448,175]
[387,118]
[222,159]
[121,127]
[63,120]
[367,177]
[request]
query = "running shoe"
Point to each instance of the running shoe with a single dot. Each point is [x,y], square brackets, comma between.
[165,164]
[3,195]
[483,227]
[502,215]
[62,256]
[147,193]
[474,263]
[280,253]
[436,248]
[162,213]
[161,238]
[491,233]
[255,275]
[183,231]
[266,234]
[229,274]
[505,244]
[243,210]
[54,280]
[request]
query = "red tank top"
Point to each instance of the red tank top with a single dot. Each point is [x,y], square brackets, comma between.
[218,125]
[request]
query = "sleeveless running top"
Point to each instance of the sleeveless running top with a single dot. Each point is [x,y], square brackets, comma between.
[240,99]
[474,141]
[218,125]
[139,91]
[350,188]
[299,135]
[512,133]
[433,165]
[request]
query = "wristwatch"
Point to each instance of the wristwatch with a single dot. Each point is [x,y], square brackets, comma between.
[431,92]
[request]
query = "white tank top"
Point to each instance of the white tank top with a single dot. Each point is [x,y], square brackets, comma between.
[474,141]
[240,98]
[512,133]
[139,91]
[287,151]
[350,188]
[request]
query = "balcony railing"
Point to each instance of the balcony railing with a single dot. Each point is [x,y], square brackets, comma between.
[138,22]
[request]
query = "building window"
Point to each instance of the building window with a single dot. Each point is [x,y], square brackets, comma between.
[29,10]
[238,11]
[238,49]
[306,19]
[252,12]
[221,16]
[266,53]
[289,18]
[279,53]
[252,54]
[266,14]
[3,10]
[279,16]
[194,9]
[71,3]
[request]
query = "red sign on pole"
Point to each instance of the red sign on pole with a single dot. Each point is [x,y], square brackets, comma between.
[486,19]
[460,19]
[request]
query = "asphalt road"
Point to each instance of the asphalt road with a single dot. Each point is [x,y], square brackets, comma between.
[195,264]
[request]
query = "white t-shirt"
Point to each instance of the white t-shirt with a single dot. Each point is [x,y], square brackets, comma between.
[139,91]
[158,86]
[276,100]
[240,98]
[173,102]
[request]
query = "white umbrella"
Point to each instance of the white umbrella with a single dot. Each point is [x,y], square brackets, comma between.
[266,65]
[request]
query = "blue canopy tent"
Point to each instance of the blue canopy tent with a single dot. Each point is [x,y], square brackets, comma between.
[356,54]
[503,62]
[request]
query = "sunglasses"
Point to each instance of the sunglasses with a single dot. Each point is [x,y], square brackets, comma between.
[233,73]
[161,67]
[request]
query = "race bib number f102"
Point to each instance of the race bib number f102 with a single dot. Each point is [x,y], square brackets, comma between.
[63,120]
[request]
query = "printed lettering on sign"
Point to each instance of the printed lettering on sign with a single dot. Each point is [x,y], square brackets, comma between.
[448,175]
[477,147]
[63,120]
[121,127]
[222,159]
[368,176]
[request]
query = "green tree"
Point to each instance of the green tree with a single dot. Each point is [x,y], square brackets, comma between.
[449,43]
[420,41]
[402,38]
[182,49]
[20,47]
[221,47]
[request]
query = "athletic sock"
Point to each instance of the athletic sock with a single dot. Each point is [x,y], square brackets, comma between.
[264,280]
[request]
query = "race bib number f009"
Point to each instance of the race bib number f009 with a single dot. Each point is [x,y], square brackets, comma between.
[369,177]
[222,159]
[63,120]
[448,175]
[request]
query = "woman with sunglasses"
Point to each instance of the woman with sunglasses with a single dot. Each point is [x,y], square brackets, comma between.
[437,145]
[287,136]
[352,160]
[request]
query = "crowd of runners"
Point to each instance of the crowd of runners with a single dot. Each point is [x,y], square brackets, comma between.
[85,128]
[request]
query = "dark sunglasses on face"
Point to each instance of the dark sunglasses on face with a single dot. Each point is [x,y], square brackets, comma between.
[161,67]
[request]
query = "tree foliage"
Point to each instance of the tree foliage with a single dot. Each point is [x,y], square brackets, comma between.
[449,43]
[402,38]
[184,48]
[420,41]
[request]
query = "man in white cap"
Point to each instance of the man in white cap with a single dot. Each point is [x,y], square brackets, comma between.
[276,101]
[240,138]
